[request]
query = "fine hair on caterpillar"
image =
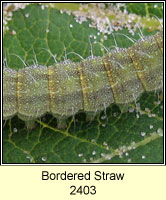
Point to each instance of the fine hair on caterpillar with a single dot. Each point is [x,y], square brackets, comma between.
[91,85]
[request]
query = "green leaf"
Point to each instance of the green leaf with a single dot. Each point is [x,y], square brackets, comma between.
[112,137]
[146,9]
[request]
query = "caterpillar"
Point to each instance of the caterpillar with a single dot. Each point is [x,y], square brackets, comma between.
[91,85]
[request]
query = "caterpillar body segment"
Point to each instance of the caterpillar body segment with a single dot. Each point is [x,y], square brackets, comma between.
[10,104]
[91,85]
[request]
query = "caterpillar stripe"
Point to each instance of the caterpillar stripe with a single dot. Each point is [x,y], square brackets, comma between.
[91,85]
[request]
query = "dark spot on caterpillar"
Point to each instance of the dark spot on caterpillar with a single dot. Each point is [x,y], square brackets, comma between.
[64,89]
